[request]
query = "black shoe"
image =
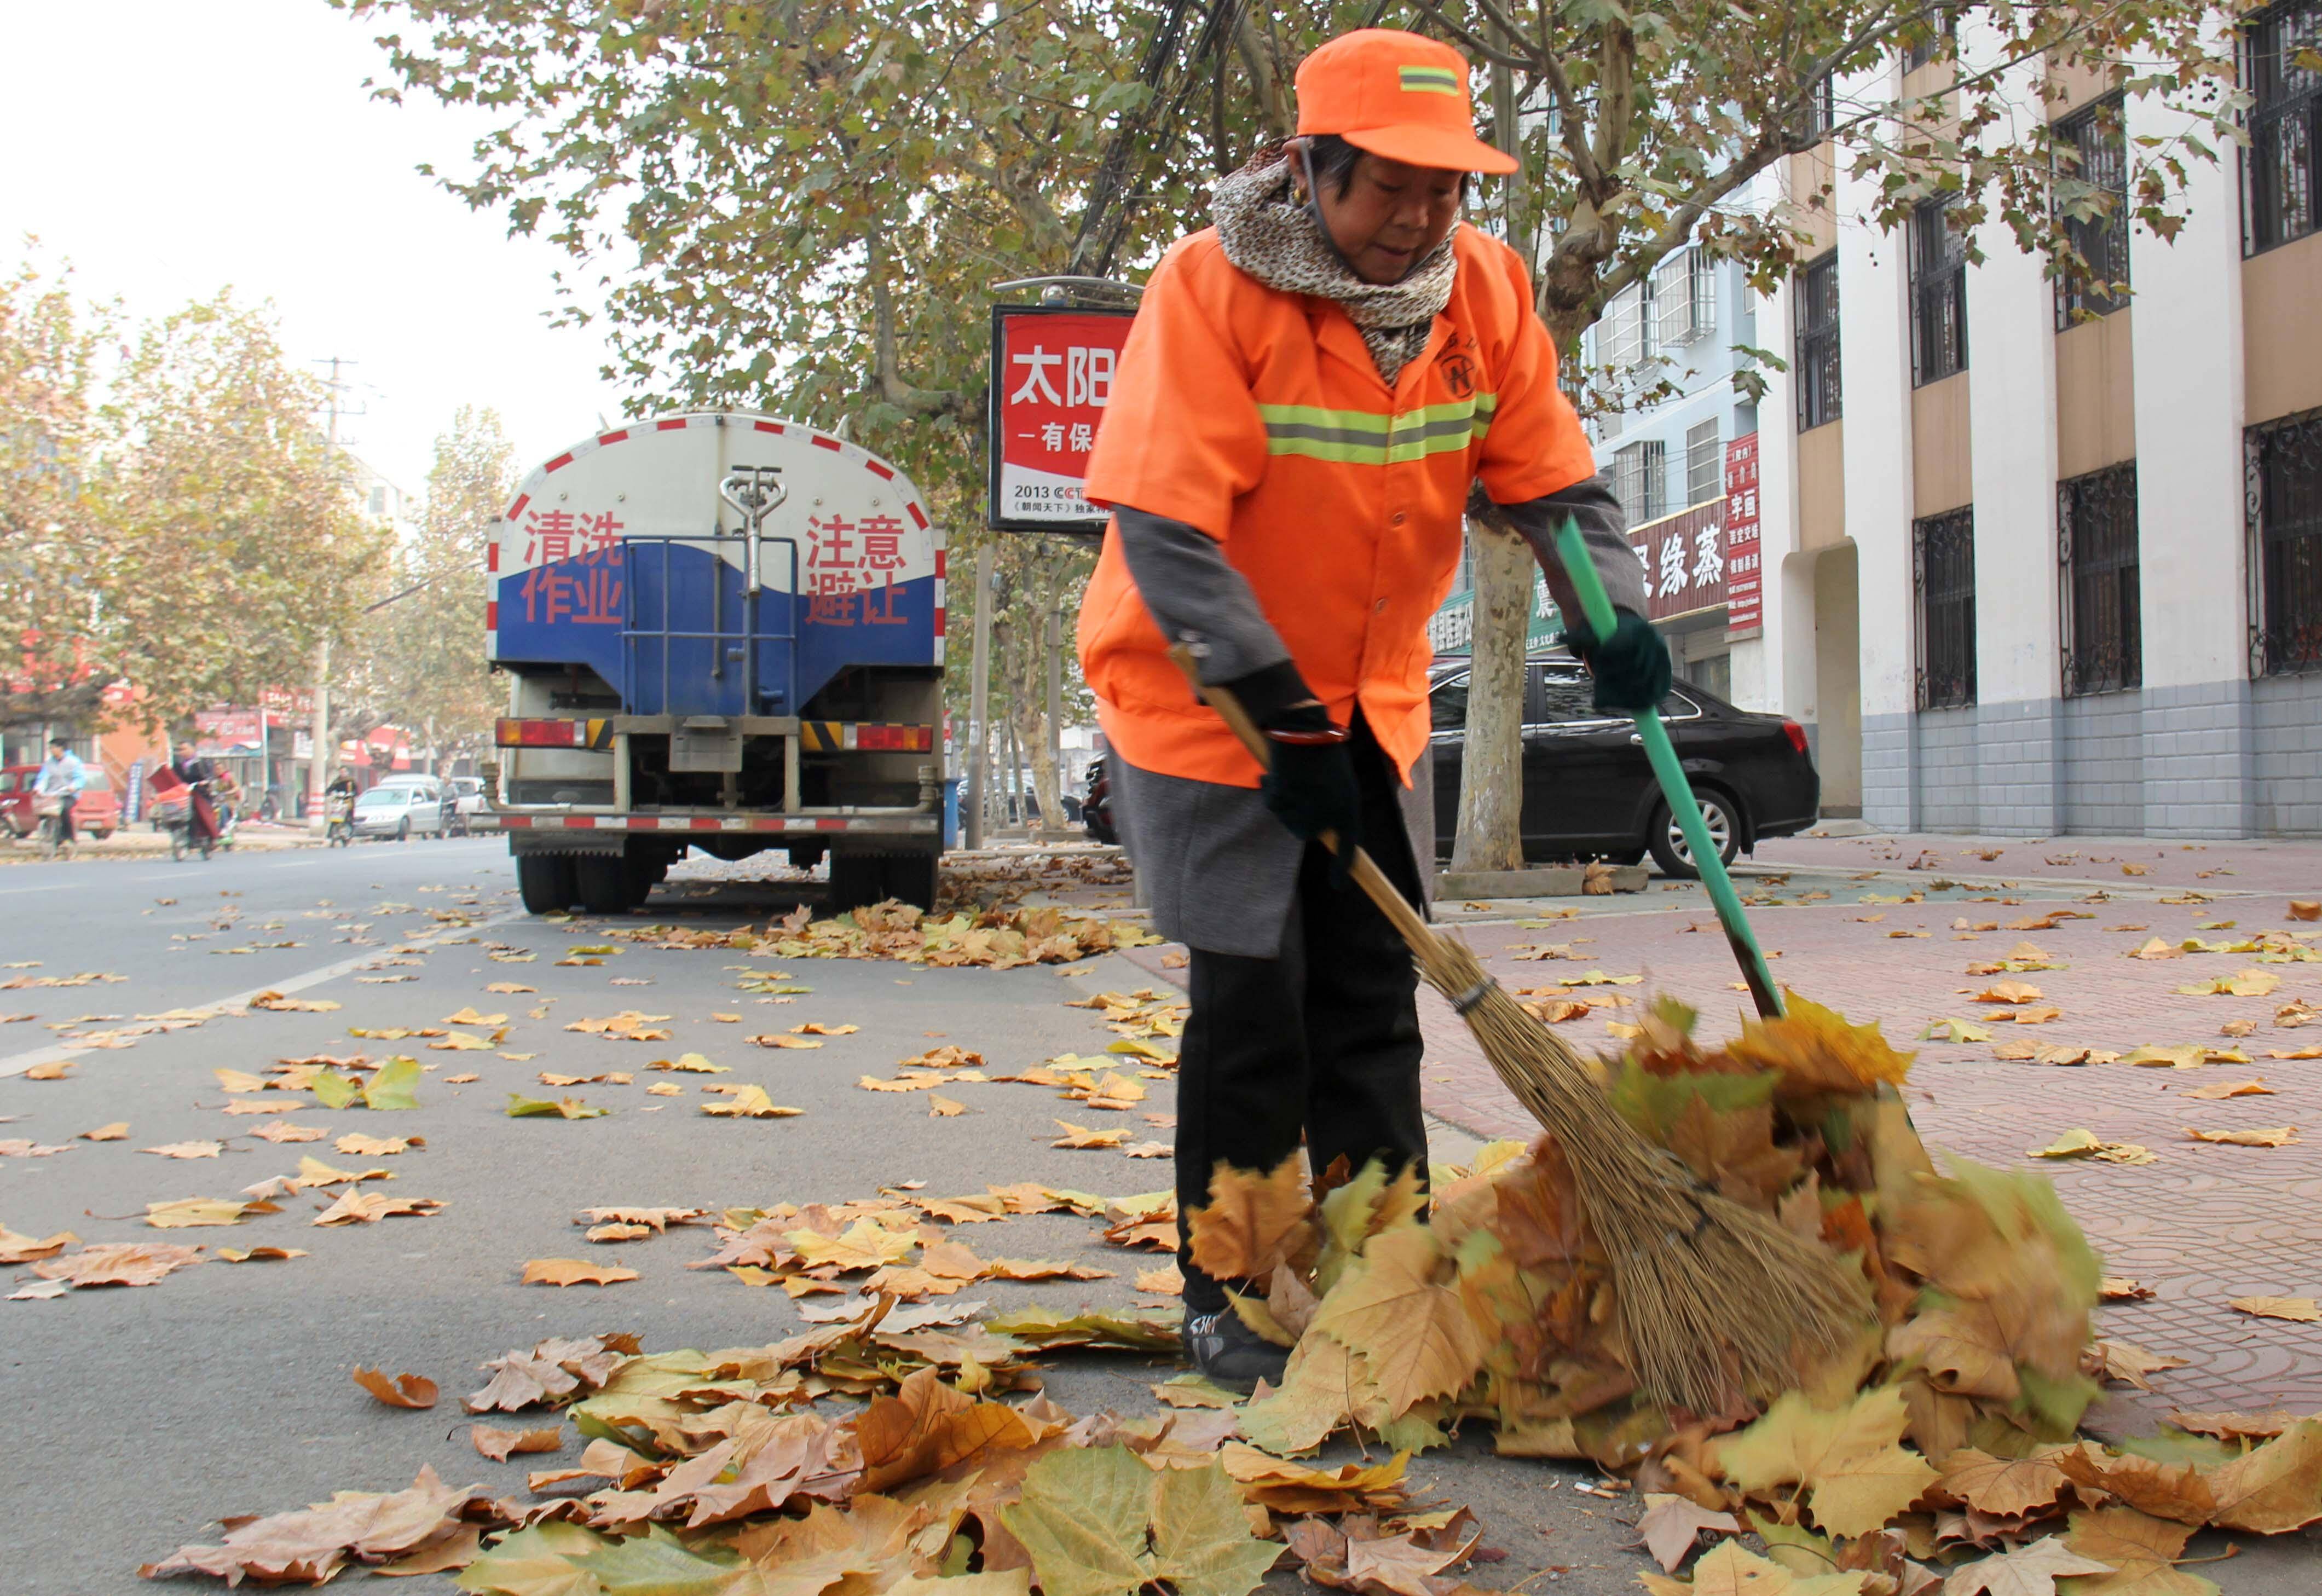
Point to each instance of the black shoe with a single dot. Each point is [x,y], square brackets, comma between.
[1230,1353]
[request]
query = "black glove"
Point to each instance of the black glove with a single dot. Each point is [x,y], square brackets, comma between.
[1631,666]
[1309,784]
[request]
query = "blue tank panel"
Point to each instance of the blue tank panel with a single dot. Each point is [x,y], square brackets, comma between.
[669,625]
[571,611]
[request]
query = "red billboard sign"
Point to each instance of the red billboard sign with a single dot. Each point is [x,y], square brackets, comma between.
[1052,371]
[1744,581]
[1685,560]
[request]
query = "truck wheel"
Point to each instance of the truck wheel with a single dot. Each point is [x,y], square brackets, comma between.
[602,881]
[642,874]
[857,879]
[546,882]
[911,877]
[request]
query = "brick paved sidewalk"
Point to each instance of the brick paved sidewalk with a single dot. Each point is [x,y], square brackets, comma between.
[2274,864]
[2202,1225]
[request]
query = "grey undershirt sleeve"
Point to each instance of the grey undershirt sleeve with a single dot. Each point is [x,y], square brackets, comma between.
[1196,596]
[1602,527]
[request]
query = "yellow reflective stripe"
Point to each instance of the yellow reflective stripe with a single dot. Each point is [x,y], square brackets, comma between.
[1428,80]
[1365,437]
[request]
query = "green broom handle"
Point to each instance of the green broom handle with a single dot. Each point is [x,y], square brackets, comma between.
[1596,605]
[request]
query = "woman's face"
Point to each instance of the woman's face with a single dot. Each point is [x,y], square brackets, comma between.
[1389,215]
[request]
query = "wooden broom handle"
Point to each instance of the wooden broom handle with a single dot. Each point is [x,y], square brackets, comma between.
[1365,872]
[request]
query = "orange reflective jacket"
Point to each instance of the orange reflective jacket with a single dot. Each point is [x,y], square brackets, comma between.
[1259,417]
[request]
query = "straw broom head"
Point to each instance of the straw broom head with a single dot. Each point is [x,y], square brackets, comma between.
[1717,1301]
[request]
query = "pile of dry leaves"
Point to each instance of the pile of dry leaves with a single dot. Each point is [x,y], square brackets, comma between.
[996,938]
[1941,1449]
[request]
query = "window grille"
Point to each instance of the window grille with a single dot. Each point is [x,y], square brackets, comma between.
[1624,331]
[1941,42]
[2279,47]
[1639,473]
[2091,146]
[1816,367]
[1938,293]
[1705,464]
[1684,297]
[2284,501]
[1819,115]
[2097,549]
[1942,569]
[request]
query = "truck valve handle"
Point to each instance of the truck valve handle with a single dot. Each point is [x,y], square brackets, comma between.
[755,493]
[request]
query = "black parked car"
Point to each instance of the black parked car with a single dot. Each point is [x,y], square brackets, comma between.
[1588,791]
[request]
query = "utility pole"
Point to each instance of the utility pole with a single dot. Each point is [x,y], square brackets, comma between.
[979,700]
[317,764]
[1055,719]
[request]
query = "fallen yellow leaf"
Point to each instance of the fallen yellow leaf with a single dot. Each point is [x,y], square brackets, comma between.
[574,1271]
[2273,1135]
[2232,1088]
[751,1102]
[405,1390]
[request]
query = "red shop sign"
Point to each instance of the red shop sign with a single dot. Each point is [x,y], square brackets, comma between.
[1744,581]
[1052,371]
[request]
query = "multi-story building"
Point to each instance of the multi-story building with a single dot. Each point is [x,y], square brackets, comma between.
[1672,464]
[1675,462]
[2033,561]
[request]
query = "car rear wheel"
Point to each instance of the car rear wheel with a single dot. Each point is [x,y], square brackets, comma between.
[1668,843]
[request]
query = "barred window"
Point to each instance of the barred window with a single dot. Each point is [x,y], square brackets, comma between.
[2279,48]
[1819,114]
[1936,37]
[1704,463]
[1639,473]
[1938,292]
[2096,546]
[2284,462]
[1943,568]
[2089,151]
[1816,367]
[1684,297]
[1624,333]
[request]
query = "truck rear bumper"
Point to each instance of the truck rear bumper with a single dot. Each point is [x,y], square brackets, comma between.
[917,826]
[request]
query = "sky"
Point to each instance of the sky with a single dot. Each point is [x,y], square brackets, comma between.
[166,149]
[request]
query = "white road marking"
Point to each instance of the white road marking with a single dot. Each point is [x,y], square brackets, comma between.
[51,887]
[22,1061]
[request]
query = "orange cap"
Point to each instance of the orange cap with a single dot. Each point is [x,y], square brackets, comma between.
[1397,95]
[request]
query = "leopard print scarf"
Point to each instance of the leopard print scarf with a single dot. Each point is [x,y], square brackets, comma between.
[1270,235]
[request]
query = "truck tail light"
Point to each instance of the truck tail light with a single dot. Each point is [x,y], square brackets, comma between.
[1796,733]
[513,733]
[893,739]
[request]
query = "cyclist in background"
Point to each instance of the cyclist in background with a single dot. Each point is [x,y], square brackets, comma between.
[59,779]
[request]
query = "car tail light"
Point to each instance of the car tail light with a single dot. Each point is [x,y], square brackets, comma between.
[1796,733]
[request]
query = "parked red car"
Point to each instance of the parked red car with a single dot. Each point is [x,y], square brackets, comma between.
[97,815]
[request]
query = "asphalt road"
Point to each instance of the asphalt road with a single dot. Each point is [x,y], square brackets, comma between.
[137,1417]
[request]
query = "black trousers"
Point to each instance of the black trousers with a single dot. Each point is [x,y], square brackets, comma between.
[1321,1041]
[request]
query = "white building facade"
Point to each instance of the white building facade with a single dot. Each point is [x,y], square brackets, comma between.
[2033,566]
